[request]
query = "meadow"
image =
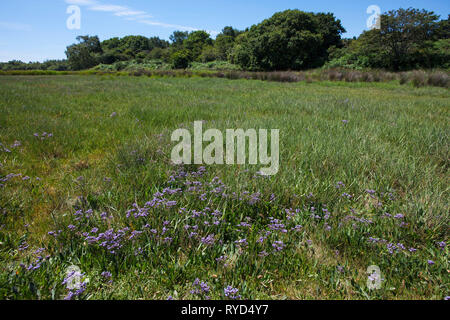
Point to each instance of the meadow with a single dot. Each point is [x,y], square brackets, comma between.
[86,180]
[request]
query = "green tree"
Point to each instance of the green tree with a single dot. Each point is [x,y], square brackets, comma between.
[209,53]
[408,39]
[84,55]
[135,44]
[196,41]
[156,42]
[177,38]
[404,32]
[291,39]
[225,42]
[443,29]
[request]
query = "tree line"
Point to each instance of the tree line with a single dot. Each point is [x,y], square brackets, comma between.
[289,40]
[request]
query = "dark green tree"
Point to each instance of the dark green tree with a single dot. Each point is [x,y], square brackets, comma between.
[84,55]
[225,42]
[177,38]
[196,41]
[408,39]
[291,39]
[404,33]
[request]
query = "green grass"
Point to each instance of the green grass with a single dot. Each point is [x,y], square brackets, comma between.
[395,142]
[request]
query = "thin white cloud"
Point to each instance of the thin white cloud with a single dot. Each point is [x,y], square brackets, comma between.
[130,14]
[139,17]
[82,2]
[108,8]
[12,26]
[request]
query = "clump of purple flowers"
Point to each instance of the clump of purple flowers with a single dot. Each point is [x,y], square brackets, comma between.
[43,136]
[75,283]
[200,288]
[340,184]
[209,240]
[107,276]
[278,246]
[242,243]
[232,293]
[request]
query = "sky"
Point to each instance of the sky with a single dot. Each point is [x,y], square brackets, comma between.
[33,30]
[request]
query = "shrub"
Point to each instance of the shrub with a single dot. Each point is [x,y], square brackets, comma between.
[419,78]
[438,79]
[181,59]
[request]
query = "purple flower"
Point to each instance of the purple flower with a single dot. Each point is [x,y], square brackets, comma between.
[168,240]
[430,262]
[442,245]
[232,293]
[340,184]
[200,288]
[244,224]
[392,248]
[277,225]
[222,259]
[134,234]
[209,240]
[242,242]
[263,254]
[278,246]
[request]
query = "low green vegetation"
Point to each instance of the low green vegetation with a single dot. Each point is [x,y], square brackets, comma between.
[86,180]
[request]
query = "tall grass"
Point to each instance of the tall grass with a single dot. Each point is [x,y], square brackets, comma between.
[363,181]
[418,78]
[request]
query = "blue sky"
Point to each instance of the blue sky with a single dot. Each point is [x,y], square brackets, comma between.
[33,30]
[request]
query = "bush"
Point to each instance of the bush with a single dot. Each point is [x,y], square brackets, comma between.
[181,59]
[419,78]
[159,54]
[209,54]
[438,79]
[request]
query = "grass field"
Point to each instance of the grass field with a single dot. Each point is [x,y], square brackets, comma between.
[86,180]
